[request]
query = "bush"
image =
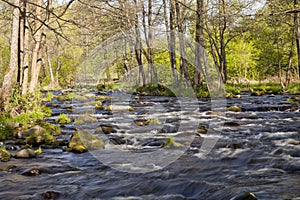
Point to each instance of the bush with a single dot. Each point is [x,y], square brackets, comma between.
[5,130]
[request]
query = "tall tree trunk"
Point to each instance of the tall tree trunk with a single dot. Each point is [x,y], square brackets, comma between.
[181,29]
[35,54]
[200,43]
[124,53]
[172,42]
[138,47]
[9,78]
[25,61]
[222,29]
[297,30]
[288,72]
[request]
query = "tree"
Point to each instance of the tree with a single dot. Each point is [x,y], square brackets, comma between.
[10,77]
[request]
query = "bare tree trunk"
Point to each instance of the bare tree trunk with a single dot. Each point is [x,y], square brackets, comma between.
[9,78]
[138,47]
[222,29]
[172,42]
[124,52]
[35,54]
[297,29]
[294,37]
[26,54]
[200,43]
[180,25]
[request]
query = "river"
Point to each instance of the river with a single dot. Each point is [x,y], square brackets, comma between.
[256,150]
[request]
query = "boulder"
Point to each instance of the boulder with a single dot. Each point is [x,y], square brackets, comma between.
[25,153]
[106,129]
[50,195]
[7,168]
[81,141]
[33,172]
[38,135]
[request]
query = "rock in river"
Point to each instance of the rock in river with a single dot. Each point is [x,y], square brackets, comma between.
[25,153]
[4,155]
[81,141]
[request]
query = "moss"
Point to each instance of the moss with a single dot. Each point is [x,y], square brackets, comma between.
[85,119]
[98,105]
[81,141]
[63,119]
[202,129]
[48,97]
[294,88]
[38,151]
[154,121]
[43,137]
[105,87]
[155,90]
[4,155]
[234,109]
[171,142]
[80,98]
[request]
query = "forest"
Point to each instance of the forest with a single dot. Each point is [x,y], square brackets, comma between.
[156,99]
[43,43]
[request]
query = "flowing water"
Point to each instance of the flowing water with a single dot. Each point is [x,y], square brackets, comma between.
[257,150]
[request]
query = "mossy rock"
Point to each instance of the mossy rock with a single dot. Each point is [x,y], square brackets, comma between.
[81,141]
[7,168]
[63,119]
[98,105]
[171,143]
[257,93]
[234,109]
[202,129]
[38,135]
[4,155]
[80,98]
[55,130]
[25,153]
[106,129]
[85,119]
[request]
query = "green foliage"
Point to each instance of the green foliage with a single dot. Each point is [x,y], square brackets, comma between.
[202,92]
[294,88]
[63,119]
[241,59]
[155,90]
[110,86]
[269,88]
[48,97]
[5,130]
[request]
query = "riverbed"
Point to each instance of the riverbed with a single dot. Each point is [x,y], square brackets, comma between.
[256,150]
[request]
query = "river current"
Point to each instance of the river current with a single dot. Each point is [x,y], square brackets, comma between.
[256,150]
